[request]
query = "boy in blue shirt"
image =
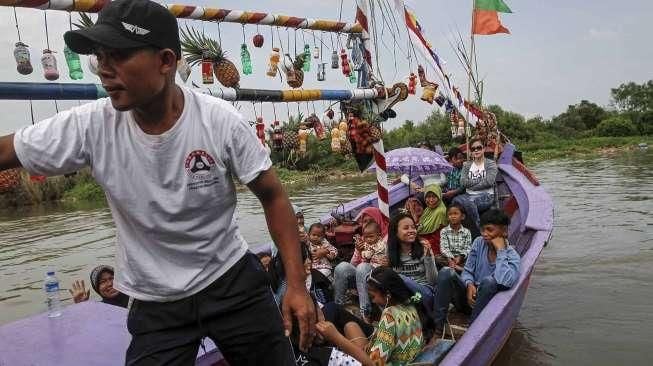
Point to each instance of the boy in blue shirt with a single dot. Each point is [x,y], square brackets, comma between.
[492,266]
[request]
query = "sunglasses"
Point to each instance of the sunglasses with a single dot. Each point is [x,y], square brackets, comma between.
[477,148]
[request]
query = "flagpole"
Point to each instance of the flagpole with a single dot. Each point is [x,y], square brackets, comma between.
[469,75]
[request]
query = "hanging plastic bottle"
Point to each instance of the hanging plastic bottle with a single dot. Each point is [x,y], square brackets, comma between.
[207,68]
[289,69]
[307,58]
[316,52]
[422,76]
[461,127]
[454,123]
[277,136]
[352,75]
[260,130]
[23,63]
[245,59]
[74,64]
[346,70]
[49,63]
[273,64]
[321,71]
[412,83]
[335,140]
[183,69]
[303,138]
[335,60]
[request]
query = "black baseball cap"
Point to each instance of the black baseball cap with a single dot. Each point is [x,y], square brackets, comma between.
[128,24]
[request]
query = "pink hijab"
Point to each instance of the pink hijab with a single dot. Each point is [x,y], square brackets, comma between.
[377,216]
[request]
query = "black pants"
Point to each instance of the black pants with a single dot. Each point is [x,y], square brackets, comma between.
[237,312]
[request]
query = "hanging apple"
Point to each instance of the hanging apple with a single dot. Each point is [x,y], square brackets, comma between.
[258,40]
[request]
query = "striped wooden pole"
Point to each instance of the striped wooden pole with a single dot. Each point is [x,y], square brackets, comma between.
[80,91]
[200,13]
[362,17]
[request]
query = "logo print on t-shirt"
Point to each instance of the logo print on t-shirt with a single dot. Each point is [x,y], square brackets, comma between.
[200,167]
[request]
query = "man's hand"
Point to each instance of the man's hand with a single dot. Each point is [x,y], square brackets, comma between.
[499,243]
[298,304]
[282,224]
[449,195]
[471,295]
[79,292]
[452,263]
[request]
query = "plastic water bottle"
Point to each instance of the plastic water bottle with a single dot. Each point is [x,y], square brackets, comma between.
[74,64]
[51,286]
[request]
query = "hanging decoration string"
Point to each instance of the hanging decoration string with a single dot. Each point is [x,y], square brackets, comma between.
[219,34]
[56,106]
[17,28]
[274,110]
[47,35]
[31,110]
[244,40]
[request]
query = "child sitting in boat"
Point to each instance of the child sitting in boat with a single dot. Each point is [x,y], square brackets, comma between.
[455,239]
[102,283]
[370,253]
[402,328]
[322,252]
[433,218]
[492,266]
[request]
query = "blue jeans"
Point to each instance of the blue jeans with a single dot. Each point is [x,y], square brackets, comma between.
[475,203]
[452,289]
[344,275]
[427,292]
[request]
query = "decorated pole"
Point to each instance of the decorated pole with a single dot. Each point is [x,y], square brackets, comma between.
[78,91]
[200,13]
[362,16]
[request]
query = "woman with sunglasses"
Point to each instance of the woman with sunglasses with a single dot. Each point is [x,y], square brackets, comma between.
[478,178]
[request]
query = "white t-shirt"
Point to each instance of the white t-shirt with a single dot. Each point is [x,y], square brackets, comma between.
[171,195]
[477,173]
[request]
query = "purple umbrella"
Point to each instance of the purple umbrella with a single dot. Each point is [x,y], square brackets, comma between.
[411,161]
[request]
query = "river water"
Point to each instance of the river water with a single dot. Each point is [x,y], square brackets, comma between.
[589,302]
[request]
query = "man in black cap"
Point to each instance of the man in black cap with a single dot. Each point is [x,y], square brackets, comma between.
[180,254]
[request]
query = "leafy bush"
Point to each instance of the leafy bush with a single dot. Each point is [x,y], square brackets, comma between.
[616,126]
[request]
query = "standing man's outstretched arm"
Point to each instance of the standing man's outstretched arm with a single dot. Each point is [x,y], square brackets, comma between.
[8,158]
[283,228]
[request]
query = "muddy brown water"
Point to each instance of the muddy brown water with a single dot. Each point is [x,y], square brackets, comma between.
[590,298]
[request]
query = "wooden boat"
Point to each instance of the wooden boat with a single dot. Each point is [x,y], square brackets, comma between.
[95,333]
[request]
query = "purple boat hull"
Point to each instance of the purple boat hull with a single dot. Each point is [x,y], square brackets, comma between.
[95,334]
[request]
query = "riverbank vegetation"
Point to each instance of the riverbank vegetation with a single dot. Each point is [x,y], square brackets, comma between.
[584,128]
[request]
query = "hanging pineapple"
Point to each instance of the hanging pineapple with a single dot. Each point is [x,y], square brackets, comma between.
[195,44]
[290,140]
[293,70]
[376,134]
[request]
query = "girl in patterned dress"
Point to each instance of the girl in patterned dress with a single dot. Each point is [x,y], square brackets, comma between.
[402,329]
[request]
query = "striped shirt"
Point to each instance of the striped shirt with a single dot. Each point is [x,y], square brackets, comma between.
[453,243]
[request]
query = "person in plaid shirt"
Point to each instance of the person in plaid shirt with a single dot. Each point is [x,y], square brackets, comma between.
[455,239]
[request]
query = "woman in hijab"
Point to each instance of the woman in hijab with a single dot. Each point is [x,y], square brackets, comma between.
[434,217]
[102,283]
[373,213]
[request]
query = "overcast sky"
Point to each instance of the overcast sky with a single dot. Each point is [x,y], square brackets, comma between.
[559,52]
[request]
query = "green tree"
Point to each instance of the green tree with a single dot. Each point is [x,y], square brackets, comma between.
[512,124]
[632,97]
[579,117]
[616,126]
